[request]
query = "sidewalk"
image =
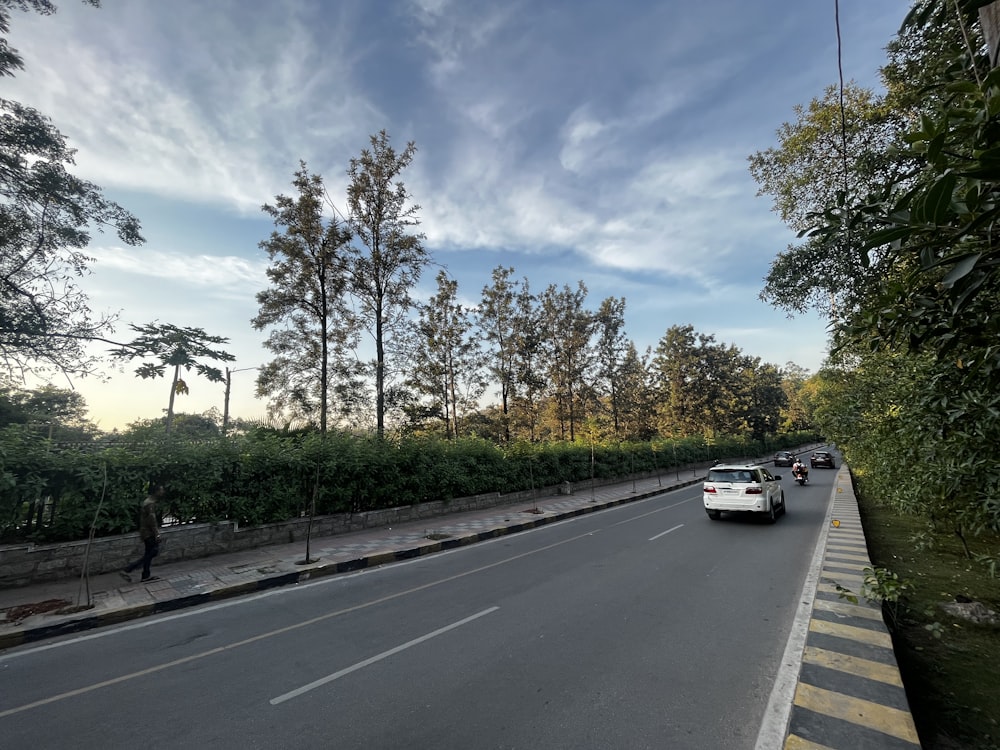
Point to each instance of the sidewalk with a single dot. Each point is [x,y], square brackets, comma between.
[43,610]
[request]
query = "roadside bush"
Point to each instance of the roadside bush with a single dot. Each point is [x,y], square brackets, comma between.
[52,493]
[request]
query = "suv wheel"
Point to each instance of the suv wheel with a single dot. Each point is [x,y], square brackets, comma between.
[715,515]
[771,515]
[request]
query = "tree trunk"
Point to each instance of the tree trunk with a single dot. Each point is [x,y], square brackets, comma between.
[379,372]
[324,380]
[173,392]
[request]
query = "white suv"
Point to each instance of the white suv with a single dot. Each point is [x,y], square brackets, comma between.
[749,488]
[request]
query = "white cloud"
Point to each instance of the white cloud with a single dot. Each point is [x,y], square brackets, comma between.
[208,271]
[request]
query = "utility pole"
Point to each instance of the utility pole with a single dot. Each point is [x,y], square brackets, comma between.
[225,409]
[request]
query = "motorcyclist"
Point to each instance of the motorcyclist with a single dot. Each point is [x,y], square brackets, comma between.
[799,469]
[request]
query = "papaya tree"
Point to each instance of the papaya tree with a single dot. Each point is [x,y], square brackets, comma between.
[173,348]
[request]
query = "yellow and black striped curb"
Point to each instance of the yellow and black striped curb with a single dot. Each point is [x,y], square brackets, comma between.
[849,695]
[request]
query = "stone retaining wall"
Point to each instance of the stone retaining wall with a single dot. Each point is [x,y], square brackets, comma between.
[24,564]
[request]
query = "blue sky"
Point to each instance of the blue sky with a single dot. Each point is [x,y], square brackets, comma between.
[575,140]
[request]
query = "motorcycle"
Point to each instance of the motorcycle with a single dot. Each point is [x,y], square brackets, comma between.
[801,475]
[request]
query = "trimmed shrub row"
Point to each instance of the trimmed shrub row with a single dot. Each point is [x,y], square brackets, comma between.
[50,493]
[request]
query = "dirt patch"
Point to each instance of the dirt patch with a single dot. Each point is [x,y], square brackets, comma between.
[21,612]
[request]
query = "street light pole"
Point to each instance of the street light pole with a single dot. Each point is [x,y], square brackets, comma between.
[225,408]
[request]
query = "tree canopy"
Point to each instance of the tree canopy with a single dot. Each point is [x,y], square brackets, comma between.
[391,257]
[47,215]
[906,248]
[310,277]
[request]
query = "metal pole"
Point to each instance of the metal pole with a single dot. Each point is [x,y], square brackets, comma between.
[225,409]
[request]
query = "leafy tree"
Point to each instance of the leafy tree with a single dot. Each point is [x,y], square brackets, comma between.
[917,365]
[710,388]
[497,319]
[796,413]
[722,374]
[567,328]
[677,365]
[60,412]
[189,426]
[817,164]
[529,363]
[611,349]
[309,275]
[392,259]
[635,396]
[447,364]
[938,228]
[174,347]
[760,397]
[46,216]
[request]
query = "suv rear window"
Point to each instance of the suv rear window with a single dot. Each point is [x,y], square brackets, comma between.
[737,476]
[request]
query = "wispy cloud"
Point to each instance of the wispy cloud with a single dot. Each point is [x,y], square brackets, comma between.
[213,111]
[219,274]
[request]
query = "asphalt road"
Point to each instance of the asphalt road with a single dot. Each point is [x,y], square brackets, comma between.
[643,626]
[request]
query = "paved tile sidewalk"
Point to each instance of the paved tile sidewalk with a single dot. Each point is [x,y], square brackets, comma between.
[76,605]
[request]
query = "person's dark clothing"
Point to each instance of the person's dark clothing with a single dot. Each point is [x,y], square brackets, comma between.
[149,532]
[152,549]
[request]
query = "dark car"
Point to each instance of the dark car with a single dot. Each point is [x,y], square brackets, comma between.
[784,458]
[822,460]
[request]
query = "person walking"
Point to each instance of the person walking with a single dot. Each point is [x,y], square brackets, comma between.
[149,532]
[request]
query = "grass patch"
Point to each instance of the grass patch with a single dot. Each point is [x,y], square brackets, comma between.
[950,666]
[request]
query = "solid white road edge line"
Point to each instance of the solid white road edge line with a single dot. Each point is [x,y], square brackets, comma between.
[664,533]
[378,657]
[779,708]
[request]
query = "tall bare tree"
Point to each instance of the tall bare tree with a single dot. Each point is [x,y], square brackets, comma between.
[392,258]
[309,275]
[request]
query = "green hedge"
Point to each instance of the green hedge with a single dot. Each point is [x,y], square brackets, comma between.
[53,493]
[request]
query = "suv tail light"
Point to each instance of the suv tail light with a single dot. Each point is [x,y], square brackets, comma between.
[754,490]
[709,488]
